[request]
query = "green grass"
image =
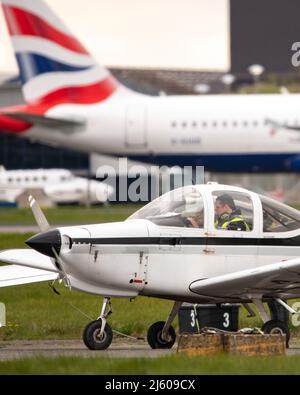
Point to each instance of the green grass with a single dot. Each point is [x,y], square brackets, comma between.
[36,312]
[13,241]
[69,215]
[271,83]
[172,365]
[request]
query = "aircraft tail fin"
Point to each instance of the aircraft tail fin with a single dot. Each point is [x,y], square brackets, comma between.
[55,68]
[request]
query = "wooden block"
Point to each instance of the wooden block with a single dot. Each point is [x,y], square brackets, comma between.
[200,344]
[262,345]
[234,344]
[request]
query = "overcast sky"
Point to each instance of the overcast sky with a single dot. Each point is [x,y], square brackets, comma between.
[175,34]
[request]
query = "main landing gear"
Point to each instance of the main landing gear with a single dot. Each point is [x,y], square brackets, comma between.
[278,322]
[161,334]
[98,334]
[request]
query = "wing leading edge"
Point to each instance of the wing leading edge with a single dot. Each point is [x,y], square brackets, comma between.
[26,267]
[28,258]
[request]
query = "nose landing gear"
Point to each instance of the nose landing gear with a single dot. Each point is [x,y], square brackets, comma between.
[98,334]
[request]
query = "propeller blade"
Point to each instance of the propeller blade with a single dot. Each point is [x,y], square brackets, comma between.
[60,265]
[44,227]
[38,215]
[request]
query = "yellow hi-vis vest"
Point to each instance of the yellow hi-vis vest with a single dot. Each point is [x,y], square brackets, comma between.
[231,221]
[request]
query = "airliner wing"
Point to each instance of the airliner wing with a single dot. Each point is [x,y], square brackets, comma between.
[276,124]
[41,120]
[278,280]
[17,275]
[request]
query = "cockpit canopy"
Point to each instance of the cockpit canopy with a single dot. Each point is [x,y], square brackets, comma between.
[186,207]
[175,209]
[278,217]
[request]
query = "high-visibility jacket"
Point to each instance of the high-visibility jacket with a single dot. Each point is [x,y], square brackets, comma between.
[233,223]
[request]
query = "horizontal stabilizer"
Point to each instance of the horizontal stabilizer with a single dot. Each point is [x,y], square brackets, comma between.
[41,120]
[29,258]
[17,275]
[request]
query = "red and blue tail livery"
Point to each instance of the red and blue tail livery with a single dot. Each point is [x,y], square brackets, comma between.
[55,68]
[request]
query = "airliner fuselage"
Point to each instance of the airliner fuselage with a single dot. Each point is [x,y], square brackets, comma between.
[233,133]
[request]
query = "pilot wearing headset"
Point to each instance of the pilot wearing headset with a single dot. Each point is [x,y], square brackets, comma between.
[228,217]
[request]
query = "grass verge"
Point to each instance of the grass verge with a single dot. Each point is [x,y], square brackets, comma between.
[69,215]
[171,365]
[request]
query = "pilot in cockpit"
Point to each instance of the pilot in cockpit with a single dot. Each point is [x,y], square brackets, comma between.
[228,217]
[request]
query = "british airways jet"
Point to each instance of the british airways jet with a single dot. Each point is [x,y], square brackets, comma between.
[73,102]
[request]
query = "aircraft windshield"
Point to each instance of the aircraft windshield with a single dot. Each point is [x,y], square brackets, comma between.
[180,208]
[278,217]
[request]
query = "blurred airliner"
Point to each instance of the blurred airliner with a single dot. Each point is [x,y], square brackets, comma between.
[59,185]
[73,102]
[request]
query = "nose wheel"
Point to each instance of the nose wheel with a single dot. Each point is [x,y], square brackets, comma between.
[96,339]
[98,334]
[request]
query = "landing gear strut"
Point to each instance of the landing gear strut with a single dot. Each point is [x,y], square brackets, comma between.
[161,334]
[98,334]
[277,323]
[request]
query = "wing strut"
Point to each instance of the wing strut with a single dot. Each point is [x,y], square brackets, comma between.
[286,306]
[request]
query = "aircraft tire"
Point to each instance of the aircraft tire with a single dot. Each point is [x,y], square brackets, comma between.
[154,336]
[275,327]
[91,336]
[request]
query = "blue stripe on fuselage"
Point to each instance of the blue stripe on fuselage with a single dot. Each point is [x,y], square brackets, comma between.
[229,163]
[31,65]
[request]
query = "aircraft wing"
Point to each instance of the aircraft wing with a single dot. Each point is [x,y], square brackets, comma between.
[41,120]
[276,124]
[28,258]
[16,275]
[280,280]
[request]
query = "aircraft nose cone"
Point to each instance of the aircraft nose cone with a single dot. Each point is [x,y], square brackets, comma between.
[44,242]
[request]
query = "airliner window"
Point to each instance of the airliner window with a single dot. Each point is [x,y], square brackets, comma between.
[278,217]
[180,208]
[233,211]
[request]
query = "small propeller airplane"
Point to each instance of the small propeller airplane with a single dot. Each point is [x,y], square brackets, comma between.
[175,249]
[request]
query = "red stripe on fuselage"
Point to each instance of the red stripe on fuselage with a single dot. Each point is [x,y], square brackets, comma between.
[22,22]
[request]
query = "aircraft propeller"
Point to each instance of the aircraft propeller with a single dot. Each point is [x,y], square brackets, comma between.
[48,242]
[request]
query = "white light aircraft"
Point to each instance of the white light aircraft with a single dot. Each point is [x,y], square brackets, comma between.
[59,185]
[174,249]
[73,102]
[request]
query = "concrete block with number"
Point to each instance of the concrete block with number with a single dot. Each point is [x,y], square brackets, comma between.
[194,317]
